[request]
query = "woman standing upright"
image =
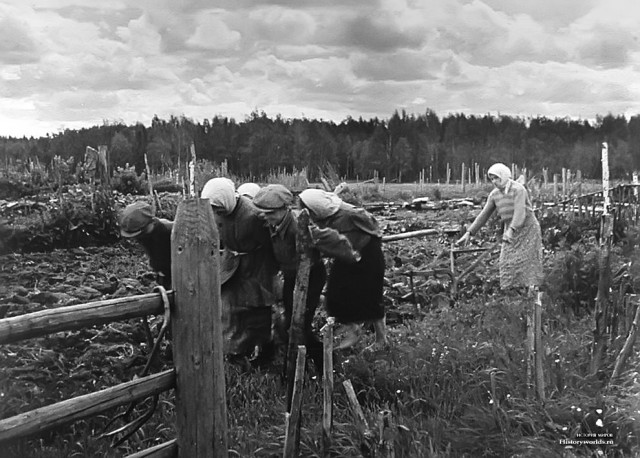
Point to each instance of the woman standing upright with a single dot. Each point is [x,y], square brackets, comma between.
[351,236]
[521,254]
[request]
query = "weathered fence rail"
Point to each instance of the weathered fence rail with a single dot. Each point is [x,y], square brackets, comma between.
[624,203]
[81,407]
[73,317]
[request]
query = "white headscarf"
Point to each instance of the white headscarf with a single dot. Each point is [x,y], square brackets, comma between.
[221,192]
[322,203]
[248,190]
[501,171]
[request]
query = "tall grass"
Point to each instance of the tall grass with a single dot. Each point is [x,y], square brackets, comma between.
[453,381]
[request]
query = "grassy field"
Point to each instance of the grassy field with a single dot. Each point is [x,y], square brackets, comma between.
[453,375]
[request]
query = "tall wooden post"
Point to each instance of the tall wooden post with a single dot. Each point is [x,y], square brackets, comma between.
[635,196]
[327,386]
[579,180]
[462,178]
[201,407]
[604,279]
[537,320]
[296,328]
[555,187]
[149,182]
[293,416]
[192,172]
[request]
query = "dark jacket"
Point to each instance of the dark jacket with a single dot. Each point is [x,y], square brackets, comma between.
[157,244]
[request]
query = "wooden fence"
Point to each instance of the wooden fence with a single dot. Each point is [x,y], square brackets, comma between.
[195,316]
[623,203]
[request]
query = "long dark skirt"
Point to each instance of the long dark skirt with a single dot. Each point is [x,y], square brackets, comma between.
[354,291]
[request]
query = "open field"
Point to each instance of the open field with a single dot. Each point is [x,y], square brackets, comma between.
[453,375]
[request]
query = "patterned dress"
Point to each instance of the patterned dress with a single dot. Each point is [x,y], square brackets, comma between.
[520,260]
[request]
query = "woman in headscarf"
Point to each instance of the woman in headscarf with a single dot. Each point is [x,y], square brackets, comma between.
[521,254]
[248,190]
[352,238]
[249,292]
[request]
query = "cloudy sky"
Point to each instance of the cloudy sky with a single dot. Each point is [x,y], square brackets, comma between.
[77,63]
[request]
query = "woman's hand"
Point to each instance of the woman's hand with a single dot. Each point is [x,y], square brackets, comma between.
[507,237]
[464,239]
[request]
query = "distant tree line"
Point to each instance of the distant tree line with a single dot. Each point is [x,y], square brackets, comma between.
[397,148]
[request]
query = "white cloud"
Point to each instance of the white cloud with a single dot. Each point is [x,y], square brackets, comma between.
[72,61]
[213,33]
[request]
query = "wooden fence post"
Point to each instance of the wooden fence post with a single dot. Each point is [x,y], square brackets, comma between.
[293,416]
[387,432]
[462,182]
[201,407]
[296,328]
[530,348]
[537,316]
[627,348]
[327,386]
[604,280]
[360,420]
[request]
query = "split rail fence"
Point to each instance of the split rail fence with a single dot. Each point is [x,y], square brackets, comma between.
[194,308]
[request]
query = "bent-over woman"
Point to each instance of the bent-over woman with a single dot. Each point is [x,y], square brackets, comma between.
[249,292]
[351,237]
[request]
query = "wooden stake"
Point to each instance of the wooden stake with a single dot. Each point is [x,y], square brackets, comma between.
[604,280]
[462,181]
[151,195]
[539,351]
[356,410]
[327,386]
[387,434]
[452,261]
[296,328]
[192,172]
[627,348]
[292,428]
[530,349]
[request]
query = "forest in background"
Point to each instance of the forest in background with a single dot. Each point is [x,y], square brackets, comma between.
[398,148]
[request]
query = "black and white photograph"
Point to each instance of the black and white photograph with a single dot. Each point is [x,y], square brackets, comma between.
[278,228]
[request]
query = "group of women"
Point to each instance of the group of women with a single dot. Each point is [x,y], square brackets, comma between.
[258,229]
[261,233]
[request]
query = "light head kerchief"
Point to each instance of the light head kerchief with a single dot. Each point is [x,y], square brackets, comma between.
[322,203]
[248,190]
[221,193]
[503,172]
